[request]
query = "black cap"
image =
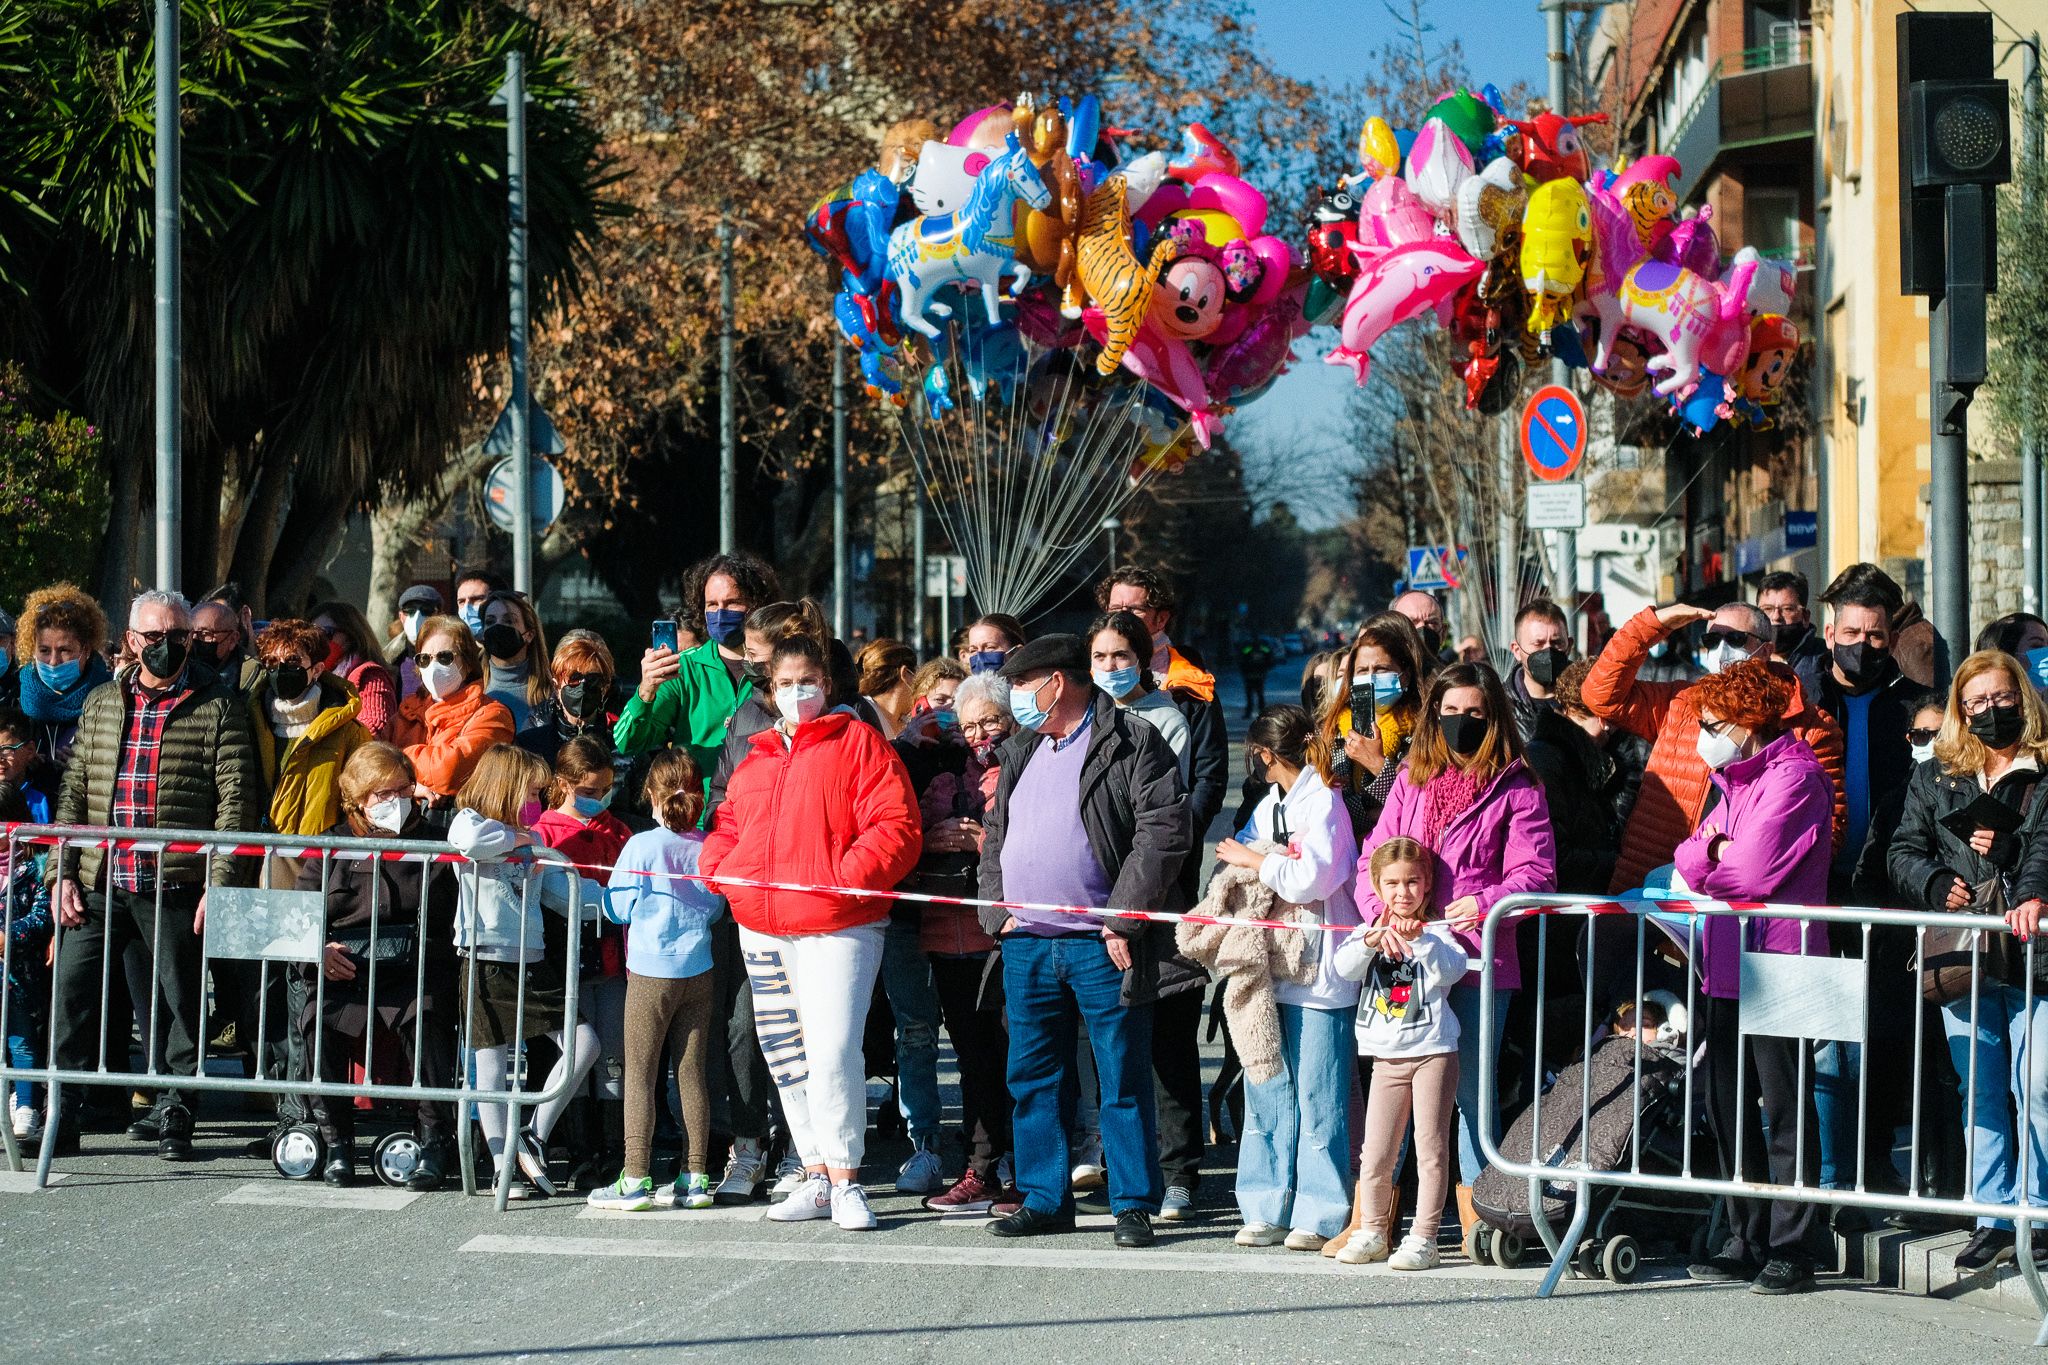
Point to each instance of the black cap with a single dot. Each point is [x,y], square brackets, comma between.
[422,594]
[1063,652]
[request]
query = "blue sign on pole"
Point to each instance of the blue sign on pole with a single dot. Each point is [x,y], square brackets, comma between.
[2037,667]
[1553,432]
[1434,568]
[1802,530]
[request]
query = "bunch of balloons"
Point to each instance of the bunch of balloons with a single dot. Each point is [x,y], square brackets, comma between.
[1503,230]
[1031,249]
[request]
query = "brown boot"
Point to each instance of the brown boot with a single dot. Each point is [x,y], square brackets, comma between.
[1336,1244]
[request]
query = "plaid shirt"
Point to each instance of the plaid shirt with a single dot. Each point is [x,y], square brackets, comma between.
[142,747]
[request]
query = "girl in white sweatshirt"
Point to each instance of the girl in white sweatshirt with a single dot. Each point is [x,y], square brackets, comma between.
[1407,967]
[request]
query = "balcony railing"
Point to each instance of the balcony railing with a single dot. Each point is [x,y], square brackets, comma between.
[1790,45]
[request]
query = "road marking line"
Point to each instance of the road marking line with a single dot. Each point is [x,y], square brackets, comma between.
[1006,1258]
[24,1182]
[297,1195]
[744,1213]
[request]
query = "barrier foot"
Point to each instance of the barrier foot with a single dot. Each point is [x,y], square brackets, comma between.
[465,1146]
[1567,1244]
[48,1151]
[12,1143]
[2023,1229]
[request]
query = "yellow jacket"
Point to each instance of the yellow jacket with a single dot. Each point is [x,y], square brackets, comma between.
[303,777]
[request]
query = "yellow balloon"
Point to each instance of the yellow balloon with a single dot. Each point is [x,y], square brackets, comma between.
[1218,227]
[1377,150]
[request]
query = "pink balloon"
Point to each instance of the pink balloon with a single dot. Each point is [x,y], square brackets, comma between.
[1390,215]
[964,131]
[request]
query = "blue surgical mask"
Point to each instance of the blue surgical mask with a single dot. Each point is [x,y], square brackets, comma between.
[986,660]
[726,626]
[589,807]
[473,617]
[1025,708]
[6,660]
[1118,682]
[60,677]
[946,719]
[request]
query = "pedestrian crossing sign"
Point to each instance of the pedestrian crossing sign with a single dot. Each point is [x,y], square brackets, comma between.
[1434,568]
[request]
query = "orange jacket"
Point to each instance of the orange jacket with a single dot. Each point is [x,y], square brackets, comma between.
[444,739]
[1676,782]
[1184,676]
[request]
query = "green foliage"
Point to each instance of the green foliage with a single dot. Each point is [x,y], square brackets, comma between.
[2019,356]
[53,490]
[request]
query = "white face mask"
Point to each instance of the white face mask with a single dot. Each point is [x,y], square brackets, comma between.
[389,814]
[1922,752]
[410,623]
[1717,751]
[1719,657]
[800,702]
[442,680]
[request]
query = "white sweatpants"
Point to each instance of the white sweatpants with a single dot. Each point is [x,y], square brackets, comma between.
[811,996]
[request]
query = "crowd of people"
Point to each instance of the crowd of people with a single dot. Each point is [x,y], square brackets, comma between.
[778,842]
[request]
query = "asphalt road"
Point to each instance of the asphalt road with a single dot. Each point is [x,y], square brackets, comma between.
[128,1259]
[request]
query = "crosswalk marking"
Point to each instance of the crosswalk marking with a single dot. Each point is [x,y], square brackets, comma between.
[300,1194]
[23,1182]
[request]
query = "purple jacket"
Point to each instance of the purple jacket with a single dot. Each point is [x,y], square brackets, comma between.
[1777,810]
[1501,845]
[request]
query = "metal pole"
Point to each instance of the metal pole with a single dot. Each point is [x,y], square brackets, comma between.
[842,608]
[521,401]
[169,342]
[1948,524]
[917,578]
[728,466]
[1507,560]
[1566,575]
[2033,590]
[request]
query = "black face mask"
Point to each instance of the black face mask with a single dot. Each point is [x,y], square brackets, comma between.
[501,641]
[756,672]
[1463,734]
[288,682]
[1432,641]
[1999,726]
[1256,766]
[578,699]
[1788,637]
[165,658]
[1544,665]
[220,655]
[1863,666]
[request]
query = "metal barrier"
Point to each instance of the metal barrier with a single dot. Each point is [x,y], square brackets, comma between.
[282,929]
[1805,996]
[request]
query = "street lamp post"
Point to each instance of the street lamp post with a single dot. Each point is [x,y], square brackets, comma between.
[1110,525]
[169,341]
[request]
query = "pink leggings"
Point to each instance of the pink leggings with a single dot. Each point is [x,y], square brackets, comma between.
[1428,1086]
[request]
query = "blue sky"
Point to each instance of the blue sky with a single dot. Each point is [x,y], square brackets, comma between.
[1300,422]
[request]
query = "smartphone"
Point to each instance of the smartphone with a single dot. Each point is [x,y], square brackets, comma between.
[664,635]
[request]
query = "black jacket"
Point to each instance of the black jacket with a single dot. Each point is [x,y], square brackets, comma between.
[1584,787]
[1925,858]
[1131,806]
[755,715]
[1890,752]
[1528,709]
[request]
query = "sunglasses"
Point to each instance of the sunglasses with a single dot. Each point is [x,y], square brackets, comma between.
[176,637]
[1918,736]
[1721,635]
[13,748]
[443,658]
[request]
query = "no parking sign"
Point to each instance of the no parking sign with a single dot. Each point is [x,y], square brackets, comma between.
[1553,433]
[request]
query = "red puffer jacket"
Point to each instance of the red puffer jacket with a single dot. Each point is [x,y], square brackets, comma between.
[832,808]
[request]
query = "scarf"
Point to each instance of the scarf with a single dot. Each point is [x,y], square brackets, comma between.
[1447,796]
[291,719]
[51,707]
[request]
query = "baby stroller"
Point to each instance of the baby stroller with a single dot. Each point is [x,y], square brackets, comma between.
[1619,1219]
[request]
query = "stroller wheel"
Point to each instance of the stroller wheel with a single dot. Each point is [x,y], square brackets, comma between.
[1620,1260]
[1587,1262]
[1506,1248]
[298,1151]
[396,1157]
[1477,1239]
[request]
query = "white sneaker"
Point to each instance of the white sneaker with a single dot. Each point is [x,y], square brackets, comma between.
[850,1208]
[789,1174]
[25,1119]
[1415,1254]
[1088,1173]
[1178,1206]
[1302,1240]
[742,1174]
[812,1198]
[1261,1235]
[1364,1247]
[922,1174]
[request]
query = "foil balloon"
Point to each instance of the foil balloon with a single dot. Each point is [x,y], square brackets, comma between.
[1437,164]
[1488,202]
[1557,234]
[1700,324]
[1390,215]
[1398,286]
[1548,146]
[1468,117]
[1378,151]
[973,246]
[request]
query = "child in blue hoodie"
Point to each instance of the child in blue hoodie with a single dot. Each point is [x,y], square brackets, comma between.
[669,987]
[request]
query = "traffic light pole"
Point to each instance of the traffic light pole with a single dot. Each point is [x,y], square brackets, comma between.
[169,339]
[515,261]
[1948,511]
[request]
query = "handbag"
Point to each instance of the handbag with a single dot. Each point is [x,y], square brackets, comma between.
[1950,957]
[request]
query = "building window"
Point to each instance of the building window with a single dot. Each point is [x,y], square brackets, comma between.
[1685,80]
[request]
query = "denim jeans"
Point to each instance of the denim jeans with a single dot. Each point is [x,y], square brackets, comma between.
[1296,1149]
[907,981]
[1049,985]
[1836,1068]
[2003,1038]
[1465,1004]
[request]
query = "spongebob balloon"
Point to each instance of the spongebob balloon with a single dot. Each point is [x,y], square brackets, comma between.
[1557,237]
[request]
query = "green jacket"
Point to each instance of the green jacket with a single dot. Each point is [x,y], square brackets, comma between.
[690,710]
[206,778]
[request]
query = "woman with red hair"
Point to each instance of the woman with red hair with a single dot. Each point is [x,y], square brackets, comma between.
[1768,838]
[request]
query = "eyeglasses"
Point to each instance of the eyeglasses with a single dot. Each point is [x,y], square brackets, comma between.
[983,727]
[176,637]
[16,747]
[1722,635]
[444,658]
[215,636]
[1917,736]
[571,679]
[1977,706]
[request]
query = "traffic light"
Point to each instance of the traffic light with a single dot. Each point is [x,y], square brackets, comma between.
[1957,133]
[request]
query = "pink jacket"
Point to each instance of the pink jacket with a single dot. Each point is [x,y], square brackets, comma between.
[1777,810]
[1501,845]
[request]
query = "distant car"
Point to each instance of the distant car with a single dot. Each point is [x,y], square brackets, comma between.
[1296,643]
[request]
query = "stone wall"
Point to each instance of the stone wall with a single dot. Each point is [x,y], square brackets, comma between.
[1994,538]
